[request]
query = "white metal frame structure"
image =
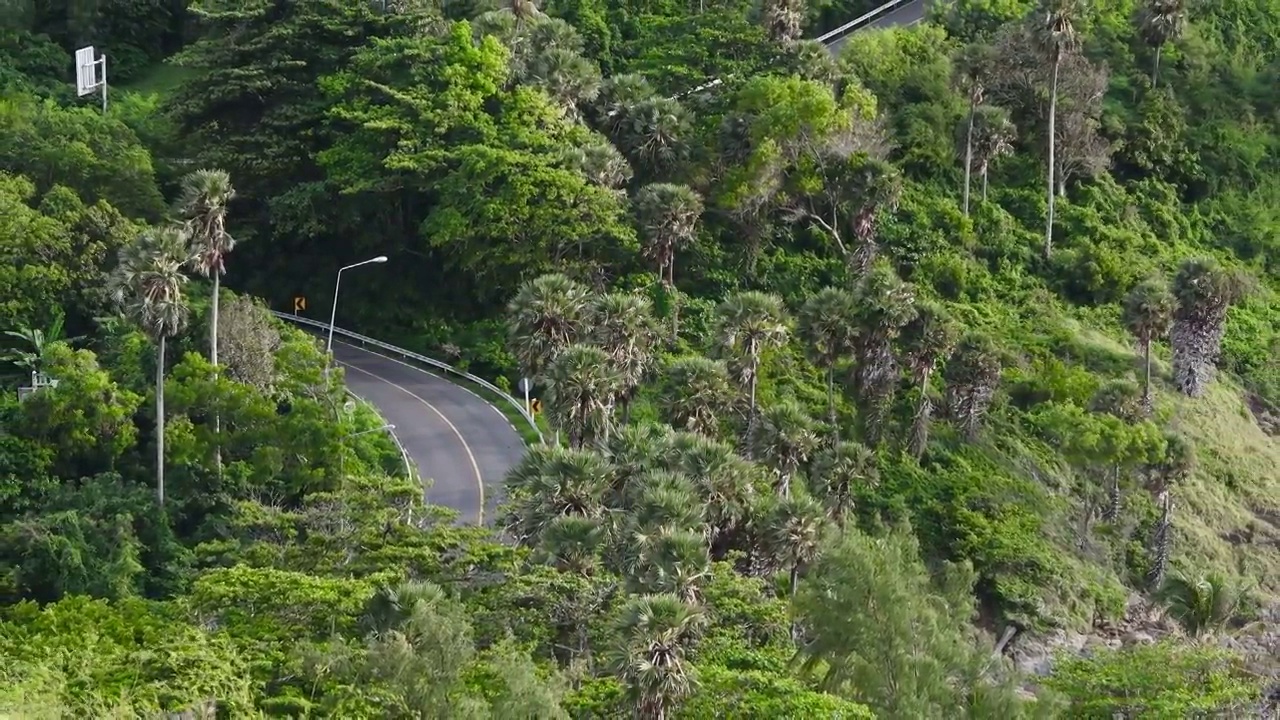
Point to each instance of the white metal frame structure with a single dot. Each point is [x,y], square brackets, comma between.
[88,78]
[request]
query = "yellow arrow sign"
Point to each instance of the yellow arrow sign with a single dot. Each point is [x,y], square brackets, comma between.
[299,304]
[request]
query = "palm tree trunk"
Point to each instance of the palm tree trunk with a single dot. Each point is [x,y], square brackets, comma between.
[1146,386]
[160,422]
[213,358]
[1155,70]
[1053,141]
[920,423]
[984,182]
[831,395]
[675,301]
[968,156]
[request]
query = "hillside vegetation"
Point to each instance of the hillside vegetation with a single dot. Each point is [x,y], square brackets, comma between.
[855,369]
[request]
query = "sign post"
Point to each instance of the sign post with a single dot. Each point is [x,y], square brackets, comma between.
[87,74]
[525,386]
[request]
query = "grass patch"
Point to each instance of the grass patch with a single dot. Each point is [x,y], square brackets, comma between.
[160,79]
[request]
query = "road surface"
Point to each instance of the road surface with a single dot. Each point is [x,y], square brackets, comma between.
[908,14]
[464,445]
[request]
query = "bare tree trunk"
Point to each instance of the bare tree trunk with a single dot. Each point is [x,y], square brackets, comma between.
[984,182]
[160,421]
[968,156]
[919,437]
[1053,140]
[1155,70]
[831,395]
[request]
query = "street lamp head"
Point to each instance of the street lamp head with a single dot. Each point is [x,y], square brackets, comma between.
[389,427]
[379,259]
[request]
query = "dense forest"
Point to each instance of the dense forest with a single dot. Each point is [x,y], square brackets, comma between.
[938,377]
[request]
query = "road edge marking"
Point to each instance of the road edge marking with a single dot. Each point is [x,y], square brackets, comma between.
[475,466]
[438,376]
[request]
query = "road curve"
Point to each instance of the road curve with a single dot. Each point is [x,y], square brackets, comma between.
[462,443]
[908,14]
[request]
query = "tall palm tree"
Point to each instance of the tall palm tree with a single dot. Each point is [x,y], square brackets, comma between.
[925,340]
[794,529]
[548,315]
[828,327]
[1204,292]
[993,136]
[1056,37]
[654,635]
[1160,21]
[203,209]
[550,482]
[668,216]
[677,563]
[654,134]
[784,439]
[971,74]
[972,374]
[694,394]
[623,326]
[1148,313]
[838,471]
[885,305]
[726,484]
[877,186]
[582,384]
[573,543]
[147,285]
[1174,469]
[1200,605]
[783,20]
[746,325]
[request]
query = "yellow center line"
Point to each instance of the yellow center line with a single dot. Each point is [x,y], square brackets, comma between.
[467,448]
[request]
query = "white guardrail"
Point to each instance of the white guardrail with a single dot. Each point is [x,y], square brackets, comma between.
[410,355]
[857,23]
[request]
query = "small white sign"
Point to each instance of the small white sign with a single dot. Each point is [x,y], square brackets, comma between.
[86,71]
[525,385]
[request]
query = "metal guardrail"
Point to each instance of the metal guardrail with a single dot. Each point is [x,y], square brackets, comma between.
[410,355]
[857,23]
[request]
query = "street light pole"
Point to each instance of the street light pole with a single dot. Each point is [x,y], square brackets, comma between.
[333,314]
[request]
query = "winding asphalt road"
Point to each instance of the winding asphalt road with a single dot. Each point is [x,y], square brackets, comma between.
[908,14]
[458,440]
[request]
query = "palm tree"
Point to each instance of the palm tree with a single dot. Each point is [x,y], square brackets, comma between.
[633,451]
[1160,21]
[617,96]
[147,285]
[885,305]
[726,484]
[828,326]
[695,392]
[203,209]
[600,162]
[925,340]
[549,314]
[677,563]
[972,71]
[552,481]
[1056,37]
[654,634]
[567,77]
[668,216]
[1204,292]
[993,135]
[784,438]
[1174,469]
[783,20]
[972,375]
[794,528]
[1148,312]
[582,384]
[623,326]
[654,134]
[747,324]
[877,185]
[1200,605]
[572,543]
[837,471]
